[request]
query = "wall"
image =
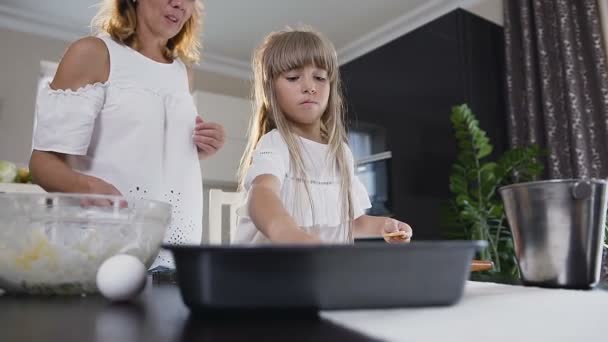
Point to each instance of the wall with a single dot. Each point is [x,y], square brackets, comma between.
[233,113]
[220,171]
[19,72]
[488,9]
[20,58]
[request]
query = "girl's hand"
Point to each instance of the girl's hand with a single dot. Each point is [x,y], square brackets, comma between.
[396,231]
[208,137]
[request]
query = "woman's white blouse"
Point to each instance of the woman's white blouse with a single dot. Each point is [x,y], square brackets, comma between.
[135,132]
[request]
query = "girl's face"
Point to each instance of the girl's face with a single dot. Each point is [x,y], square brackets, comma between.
[164,18]
[302,94]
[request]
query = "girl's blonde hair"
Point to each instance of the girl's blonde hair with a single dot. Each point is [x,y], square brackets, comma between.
[118,19]
[280,52]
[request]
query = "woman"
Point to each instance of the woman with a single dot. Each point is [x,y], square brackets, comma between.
[118,117]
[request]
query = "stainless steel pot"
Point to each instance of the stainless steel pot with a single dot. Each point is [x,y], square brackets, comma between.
[558,230]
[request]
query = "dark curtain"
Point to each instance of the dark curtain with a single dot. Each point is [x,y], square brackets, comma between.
[557,84]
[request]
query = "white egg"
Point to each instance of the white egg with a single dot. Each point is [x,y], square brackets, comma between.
[121,277]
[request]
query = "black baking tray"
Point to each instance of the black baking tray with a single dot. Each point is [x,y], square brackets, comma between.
[361,276]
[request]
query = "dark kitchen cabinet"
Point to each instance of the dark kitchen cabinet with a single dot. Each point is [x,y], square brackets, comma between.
[406,88]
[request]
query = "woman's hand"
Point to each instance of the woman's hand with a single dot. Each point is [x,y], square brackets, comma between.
[97,186]
[208,137]
[94,185]
[395,231]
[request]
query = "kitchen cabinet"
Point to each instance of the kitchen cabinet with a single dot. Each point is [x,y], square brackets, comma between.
[402,94]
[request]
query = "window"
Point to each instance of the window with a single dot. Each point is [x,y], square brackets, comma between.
[372,165]
[360,144]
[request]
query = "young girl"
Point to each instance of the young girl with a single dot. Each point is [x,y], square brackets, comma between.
[297,169]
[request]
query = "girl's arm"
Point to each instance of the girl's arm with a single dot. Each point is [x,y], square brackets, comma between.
[369,226]
[269,215]
[374,226]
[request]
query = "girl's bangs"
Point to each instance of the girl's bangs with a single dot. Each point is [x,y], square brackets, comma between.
[299,49]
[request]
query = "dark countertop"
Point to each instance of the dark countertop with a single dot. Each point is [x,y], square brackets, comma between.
[157,315]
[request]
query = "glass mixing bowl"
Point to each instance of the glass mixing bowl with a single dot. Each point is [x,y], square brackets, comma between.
[54,243]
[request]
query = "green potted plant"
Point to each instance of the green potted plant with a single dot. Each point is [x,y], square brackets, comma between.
[476,211]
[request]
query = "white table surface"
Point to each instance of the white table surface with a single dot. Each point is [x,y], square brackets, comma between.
[491,312]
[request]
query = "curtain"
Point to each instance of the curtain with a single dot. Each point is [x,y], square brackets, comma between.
[557,83]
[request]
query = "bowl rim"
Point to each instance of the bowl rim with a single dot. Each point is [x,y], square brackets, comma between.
[600,181]
[114,198]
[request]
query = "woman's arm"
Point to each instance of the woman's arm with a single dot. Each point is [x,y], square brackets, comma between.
[269,215]
[85,62]
[51,171]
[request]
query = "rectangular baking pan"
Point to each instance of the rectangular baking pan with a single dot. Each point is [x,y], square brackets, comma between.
[360,276]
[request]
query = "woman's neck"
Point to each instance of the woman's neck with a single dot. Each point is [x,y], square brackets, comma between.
[151,46]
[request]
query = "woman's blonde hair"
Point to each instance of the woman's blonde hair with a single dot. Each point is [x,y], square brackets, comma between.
[118,19]
[280,52]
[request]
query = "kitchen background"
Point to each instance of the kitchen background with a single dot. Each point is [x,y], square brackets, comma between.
[404,65]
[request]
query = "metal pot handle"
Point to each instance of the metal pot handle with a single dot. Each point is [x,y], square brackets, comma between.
[581,190]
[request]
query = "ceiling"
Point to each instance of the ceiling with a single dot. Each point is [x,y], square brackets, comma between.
[232,28]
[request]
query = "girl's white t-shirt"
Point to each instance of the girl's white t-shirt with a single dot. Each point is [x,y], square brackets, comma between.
[324,219]
[134,132]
